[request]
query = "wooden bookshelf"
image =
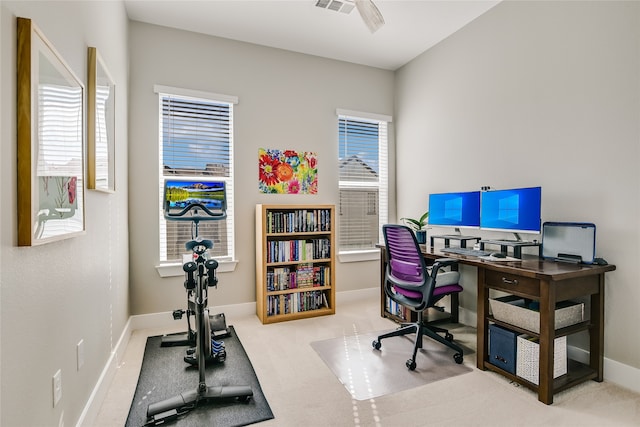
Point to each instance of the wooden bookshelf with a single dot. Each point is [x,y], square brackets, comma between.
[295,261]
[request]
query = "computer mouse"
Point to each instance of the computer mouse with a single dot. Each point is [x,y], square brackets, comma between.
[497,255]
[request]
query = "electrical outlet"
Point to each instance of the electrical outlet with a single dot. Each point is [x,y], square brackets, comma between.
[57,387]
[80,354]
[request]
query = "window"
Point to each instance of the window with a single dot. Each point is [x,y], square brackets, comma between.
[196,141]
[362,140]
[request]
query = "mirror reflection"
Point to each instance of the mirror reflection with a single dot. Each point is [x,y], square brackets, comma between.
[104,147]
[59,149]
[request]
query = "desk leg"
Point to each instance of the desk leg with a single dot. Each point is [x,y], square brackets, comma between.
[383,267]
[596,341]
[482,307]
[547,337]
[455,308]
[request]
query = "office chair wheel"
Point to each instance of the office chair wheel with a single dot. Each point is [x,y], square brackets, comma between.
[411,364]
[457,358]
[448,337]
[376,344]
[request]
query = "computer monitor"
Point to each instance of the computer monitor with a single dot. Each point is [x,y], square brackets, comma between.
[459,210]
[515,210]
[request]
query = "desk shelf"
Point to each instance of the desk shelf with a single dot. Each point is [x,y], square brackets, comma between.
[569,330]
[577,373]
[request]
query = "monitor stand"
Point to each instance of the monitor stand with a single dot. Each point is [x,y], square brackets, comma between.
[516,240]
[517,245]
[459,237]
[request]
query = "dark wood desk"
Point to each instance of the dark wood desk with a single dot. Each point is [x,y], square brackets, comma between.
[547,282]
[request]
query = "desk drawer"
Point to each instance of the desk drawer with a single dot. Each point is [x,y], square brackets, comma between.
[512,282]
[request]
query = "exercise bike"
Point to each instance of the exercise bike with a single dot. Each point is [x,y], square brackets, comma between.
[214,350]
[217,326]
[197,201]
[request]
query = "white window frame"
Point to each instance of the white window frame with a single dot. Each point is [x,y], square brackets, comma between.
[229,262]
[356,255]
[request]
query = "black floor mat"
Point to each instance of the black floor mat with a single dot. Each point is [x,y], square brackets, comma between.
[164,374]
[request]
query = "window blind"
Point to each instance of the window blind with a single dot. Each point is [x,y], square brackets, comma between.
[60,130]
[196,141]
[363,181]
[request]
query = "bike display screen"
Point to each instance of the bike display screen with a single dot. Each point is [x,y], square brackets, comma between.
[194,198]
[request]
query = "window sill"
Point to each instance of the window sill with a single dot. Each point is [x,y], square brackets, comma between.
[359,256]
[175,269]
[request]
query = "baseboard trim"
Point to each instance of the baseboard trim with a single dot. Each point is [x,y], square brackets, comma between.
[165,319]
[357,295]
[615,372]
[90,412]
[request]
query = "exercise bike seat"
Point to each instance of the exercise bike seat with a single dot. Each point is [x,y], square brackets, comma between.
[193,243]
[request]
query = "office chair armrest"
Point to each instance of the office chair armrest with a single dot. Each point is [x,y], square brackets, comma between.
[440,263]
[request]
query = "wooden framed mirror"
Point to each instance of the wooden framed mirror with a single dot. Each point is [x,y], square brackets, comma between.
[50,116]
[100,125]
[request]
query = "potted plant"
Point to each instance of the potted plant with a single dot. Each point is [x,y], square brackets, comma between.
[418,226]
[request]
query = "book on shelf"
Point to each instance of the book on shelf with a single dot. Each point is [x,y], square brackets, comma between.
[298,221]
[298,250]
[296,302]
[396,309]
[304,275]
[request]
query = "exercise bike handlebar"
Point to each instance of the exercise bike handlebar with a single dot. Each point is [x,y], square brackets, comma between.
[182,215]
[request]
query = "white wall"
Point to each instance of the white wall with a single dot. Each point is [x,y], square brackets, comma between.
[55,295]
[286,100]
[536,93]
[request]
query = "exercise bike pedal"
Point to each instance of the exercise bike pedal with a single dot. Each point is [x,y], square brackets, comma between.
[216,356]
[177,314]
[215,346]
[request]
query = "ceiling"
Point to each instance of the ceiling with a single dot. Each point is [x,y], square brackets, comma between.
[411,26]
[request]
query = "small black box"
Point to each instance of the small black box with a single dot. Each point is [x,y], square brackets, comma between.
[502,348]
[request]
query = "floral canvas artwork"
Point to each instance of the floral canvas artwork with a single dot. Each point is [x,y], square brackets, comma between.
[287,172]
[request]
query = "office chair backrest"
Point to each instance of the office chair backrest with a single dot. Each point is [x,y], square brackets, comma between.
[406,268]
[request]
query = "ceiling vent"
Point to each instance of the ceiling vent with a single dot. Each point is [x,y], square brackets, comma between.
[367,10]
[343,6]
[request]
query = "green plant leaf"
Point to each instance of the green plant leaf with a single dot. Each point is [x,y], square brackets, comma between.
[417,224]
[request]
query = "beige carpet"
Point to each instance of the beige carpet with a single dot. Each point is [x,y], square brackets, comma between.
[302,390]
[367,373]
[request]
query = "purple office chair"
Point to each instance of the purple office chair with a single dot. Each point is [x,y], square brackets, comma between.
[409,283]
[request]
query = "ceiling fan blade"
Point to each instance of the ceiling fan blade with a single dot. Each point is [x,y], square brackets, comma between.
[370,14]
